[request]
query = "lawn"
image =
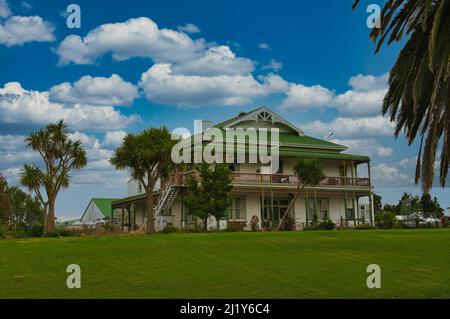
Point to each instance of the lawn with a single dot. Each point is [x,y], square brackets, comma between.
[414,264]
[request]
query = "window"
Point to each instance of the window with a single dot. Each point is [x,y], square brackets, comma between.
[279,208]
[322,206]
[237,210]
[264,116]
[350,214]
[139,187]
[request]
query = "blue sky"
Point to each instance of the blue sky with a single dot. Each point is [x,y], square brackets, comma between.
[135,64]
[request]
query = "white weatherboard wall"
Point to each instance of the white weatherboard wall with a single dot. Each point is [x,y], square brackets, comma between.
[92,213]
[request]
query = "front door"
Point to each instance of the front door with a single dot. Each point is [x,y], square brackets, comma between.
[274,211]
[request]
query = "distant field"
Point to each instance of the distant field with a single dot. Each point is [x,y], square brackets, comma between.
[414,263]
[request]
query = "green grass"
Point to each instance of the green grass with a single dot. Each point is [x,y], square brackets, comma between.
[414,263]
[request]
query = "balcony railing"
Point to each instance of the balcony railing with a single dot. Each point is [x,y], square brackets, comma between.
[281,179]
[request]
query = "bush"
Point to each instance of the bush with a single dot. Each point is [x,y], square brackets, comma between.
[232,227]
[364,226]
[288,224]
[169,229]
[385,220]
[2,232]
[326,225]
[195,228]
[34,231]
[64,232]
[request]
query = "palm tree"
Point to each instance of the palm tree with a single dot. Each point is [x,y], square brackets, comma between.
[418,98]
[147,156]
[60,155]
[309,173]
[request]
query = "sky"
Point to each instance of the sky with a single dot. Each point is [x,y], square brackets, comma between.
[136,64]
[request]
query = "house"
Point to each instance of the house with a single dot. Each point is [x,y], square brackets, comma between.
[341,196]
[99,210]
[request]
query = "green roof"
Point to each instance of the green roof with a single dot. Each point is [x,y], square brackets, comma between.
[288,138]
[104,205]
[324,155]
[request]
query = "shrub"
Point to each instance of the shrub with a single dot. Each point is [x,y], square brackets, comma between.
[326,225]
[34,231]
[288,224]
[64,232]
[2,232]
[195,228]
[233,227]
[364,226]
[170,229]
[385,220]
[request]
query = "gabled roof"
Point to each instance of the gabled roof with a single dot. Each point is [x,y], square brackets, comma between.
[253,116]
[103,205]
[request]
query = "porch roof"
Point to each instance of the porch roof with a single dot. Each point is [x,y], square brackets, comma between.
[325,155]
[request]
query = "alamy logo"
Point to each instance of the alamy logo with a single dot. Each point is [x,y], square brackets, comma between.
[73,20]
[74,279]
[374,20]
[231,146]
[374,279]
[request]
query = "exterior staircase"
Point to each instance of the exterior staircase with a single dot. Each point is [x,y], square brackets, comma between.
[166,199]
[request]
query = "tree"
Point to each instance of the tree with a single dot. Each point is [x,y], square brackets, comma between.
[210,194]
[431,207]
[31,177]
[427,204]
[438,211]
[377,205]
[5,204]
[26,211]
[419,83]
[60,156]
[147,155]
[309,173]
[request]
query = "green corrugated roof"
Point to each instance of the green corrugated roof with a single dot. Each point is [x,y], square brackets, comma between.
[104,205]
[324,155]
[295,140]
[287,138]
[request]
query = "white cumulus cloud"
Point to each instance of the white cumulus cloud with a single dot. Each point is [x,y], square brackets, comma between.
[95,91]
[114,138]
[18,105]
[189,28]
[17,30]
[162,85]
[4,9]
[273,65]
[365,97]
[345,127]
[365,146]
[137,37]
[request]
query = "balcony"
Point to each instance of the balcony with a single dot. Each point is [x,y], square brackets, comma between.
[281,179]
